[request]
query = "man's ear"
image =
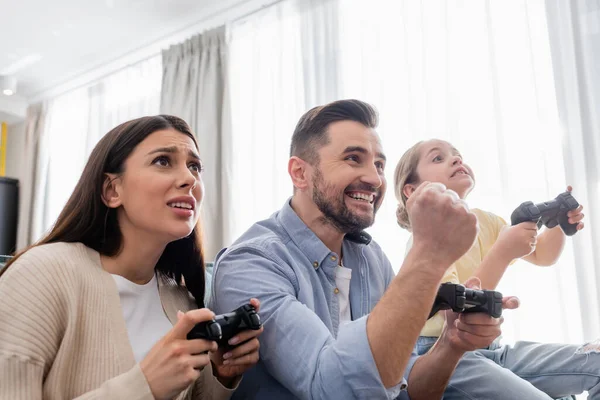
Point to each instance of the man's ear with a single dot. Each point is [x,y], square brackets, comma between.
[298,170]
[409,189]
[110,191]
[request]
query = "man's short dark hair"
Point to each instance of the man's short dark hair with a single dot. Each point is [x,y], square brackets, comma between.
[311,131]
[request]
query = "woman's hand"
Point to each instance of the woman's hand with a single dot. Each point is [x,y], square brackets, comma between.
[174,362]
[231,362]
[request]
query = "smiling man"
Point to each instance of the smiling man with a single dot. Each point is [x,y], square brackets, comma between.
[338,323]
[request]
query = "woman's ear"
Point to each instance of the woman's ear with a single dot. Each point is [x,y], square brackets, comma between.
[408,189]
[110,191]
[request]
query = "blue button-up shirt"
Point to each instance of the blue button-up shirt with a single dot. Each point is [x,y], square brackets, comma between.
[305,353]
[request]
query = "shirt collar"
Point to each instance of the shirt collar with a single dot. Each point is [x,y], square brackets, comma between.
[306,240]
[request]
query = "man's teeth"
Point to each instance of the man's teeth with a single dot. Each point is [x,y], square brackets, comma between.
[181,205]
[361,196]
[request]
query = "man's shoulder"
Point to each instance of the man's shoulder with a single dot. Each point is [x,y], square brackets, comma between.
[264,237]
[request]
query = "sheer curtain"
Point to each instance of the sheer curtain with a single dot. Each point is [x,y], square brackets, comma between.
[75,122]
[282,62]
[575,40]
[478,74]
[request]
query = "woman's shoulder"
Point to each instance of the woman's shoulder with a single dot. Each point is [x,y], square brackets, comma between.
[54,259]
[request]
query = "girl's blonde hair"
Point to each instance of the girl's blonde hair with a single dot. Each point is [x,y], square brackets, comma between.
[406,173]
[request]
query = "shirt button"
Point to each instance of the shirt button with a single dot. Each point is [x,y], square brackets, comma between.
[316,264]
[333,258]
[336,290]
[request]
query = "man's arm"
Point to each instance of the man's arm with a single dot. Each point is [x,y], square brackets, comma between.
[462,332]
[432,371]
[396,321]
[443,230]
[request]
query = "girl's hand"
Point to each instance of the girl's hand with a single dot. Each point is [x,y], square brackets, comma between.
[575,216]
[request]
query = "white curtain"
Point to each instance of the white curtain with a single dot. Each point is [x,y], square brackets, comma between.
[75,122]
[34,150]
[194,87]
[478,74]
[282,62]
[574,28]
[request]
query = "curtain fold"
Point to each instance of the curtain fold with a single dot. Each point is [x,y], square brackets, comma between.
[573,27]
[32,169]
[194,87]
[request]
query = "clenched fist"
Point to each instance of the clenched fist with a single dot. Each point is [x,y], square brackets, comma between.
[441,223]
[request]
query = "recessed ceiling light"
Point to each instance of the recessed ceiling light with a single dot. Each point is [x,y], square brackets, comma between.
[8,85]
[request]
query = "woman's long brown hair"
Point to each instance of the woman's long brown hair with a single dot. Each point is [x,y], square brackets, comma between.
[86,219]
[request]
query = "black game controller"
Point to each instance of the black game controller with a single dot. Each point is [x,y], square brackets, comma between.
[226,326]
[549,214]
[458,298]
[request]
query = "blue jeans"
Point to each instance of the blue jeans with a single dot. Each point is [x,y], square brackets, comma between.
[528,371]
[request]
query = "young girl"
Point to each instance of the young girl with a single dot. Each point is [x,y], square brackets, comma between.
[526,370]
[497,244]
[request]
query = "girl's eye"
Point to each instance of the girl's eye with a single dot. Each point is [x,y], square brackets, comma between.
[437,158]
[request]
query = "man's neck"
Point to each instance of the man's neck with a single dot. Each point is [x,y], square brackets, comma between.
[312,217]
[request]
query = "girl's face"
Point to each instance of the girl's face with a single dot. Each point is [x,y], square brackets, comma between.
[440,162]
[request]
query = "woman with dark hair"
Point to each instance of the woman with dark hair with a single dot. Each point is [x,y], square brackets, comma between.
[100,307]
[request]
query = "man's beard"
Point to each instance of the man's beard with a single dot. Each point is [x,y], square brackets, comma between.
[334,208]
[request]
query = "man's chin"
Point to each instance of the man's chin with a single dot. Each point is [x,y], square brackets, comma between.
[362,222]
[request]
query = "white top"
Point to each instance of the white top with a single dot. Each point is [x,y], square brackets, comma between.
[342,281]
[144,315]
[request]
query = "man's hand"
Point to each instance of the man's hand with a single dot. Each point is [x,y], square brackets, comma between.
[516,241]
[472,331]
[441,222]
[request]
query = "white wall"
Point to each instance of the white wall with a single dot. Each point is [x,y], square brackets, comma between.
[15,150]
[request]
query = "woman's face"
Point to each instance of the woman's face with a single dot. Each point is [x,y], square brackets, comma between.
[161,189]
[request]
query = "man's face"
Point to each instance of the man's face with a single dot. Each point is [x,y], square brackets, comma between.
[348,184]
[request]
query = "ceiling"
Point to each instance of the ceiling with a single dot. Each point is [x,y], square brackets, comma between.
[45,44]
